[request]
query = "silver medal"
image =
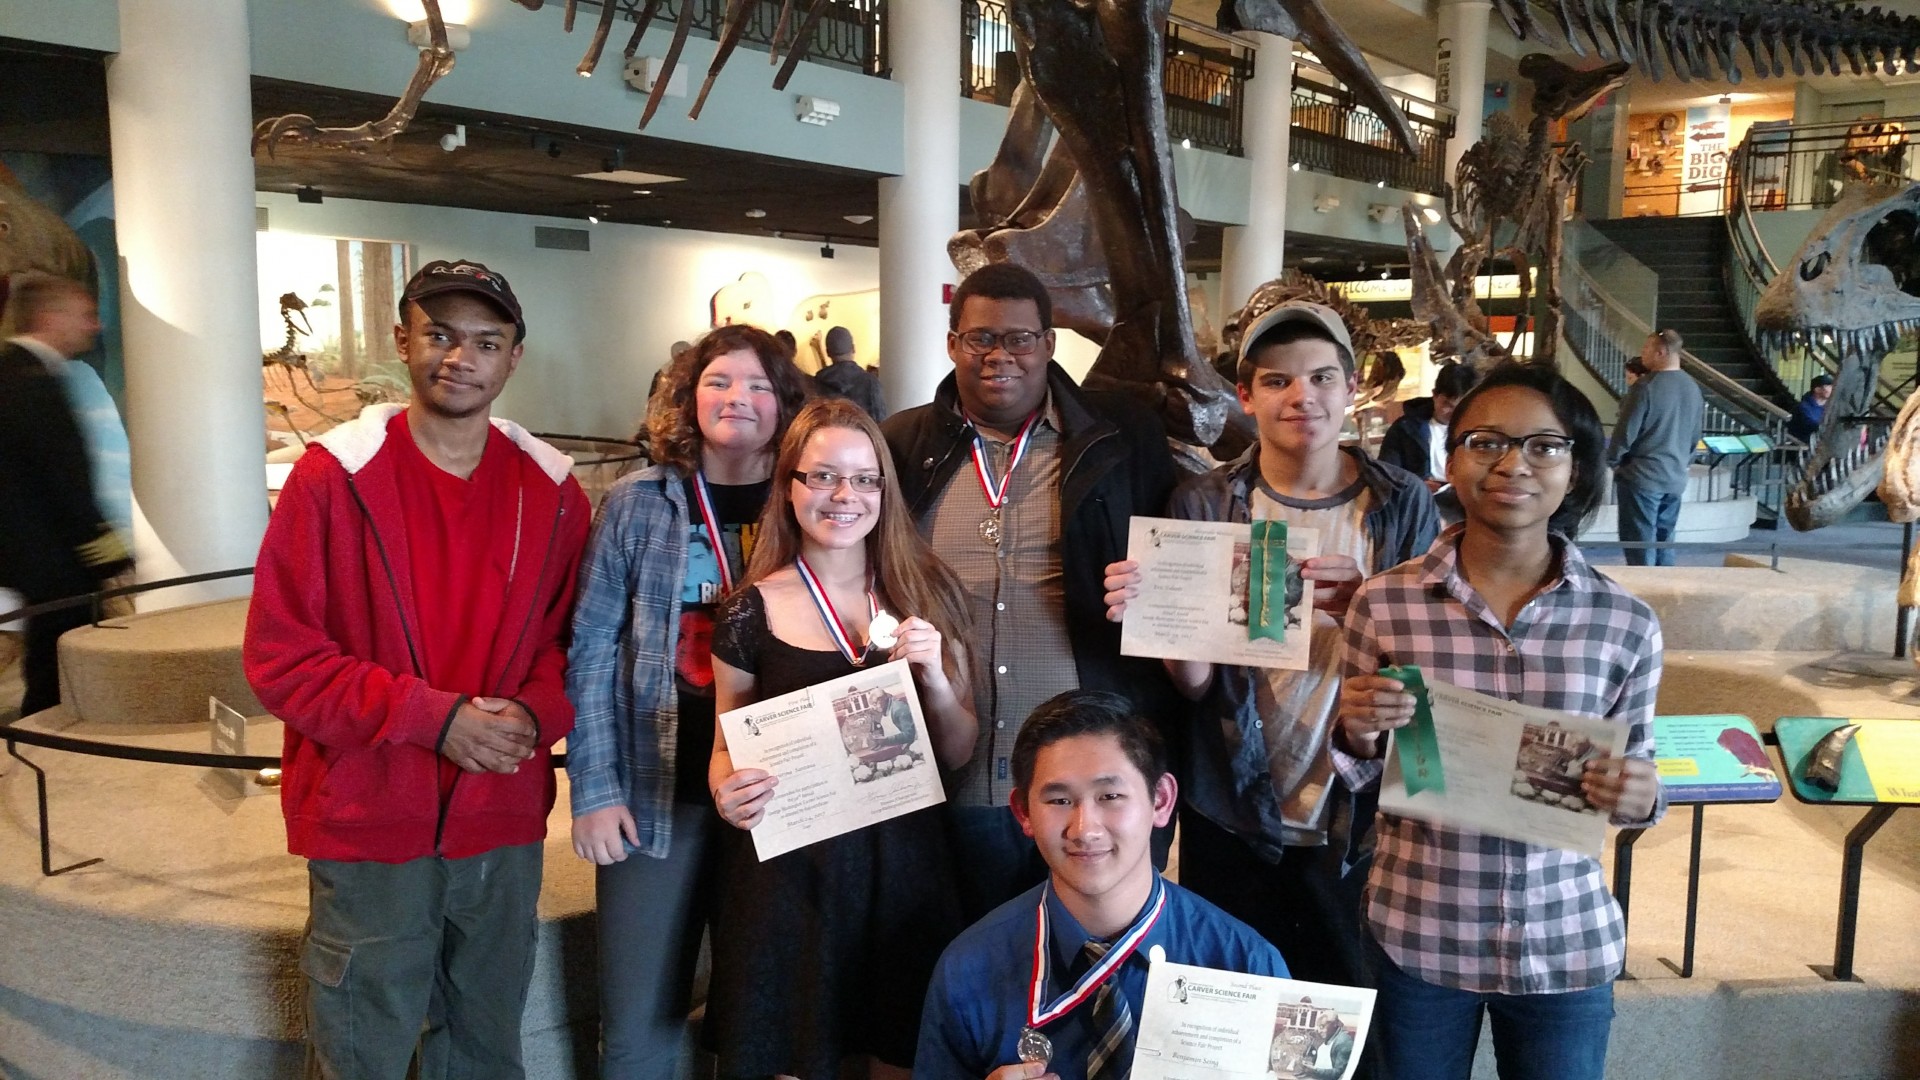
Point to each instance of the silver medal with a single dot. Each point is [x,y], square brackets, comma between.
[1035,1048]
[990,530]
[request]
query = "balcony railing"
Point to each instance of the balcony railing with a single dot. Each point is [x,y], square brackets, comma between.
[848,35]
[1782,166]
[1332,133]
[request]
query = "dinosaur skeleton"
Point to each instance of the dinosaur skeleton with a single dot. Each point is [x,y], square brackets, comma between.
[1511,184]
[1702,37]
[1854,285]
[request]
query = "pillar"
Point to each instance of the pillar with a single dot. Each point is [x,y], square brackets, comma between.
[920,208]
[178,101]
[1602,133]
[1462,72]
[1252,254]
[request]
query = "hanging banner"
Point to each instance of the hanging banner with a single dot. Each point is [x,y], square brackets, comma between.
[1705,175]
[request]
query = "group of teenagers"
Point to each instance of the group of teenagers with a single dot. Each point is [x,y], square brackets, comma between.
[433,612]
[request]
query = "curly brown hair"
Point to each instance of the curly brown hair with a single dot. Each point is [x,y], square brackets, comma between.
[673,429]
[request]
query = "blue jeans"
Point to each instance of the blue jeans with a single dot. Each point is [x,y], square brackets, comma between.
[1429,1032]
[1646,515]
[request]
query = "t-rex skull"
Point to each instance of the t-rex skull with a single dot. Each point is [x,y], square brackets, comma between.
[1853,286]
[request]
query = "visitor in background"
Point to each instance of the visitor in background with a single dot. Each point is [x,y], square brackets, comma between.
[669,543]
[1464,924]
[844,377]
[56,543]
[409,624]
[1807,415]
[1417,442]
[1269,832]
[824,952]
[1023,482]
[1652,448]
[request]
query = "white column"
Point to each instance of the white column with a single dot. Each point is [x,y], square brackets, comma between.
[179,102]
[1251,254]
[920,208]
[1462,74]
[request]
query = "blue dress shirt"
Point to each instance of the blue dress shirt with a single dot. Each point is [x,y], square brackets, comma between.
[977,1004]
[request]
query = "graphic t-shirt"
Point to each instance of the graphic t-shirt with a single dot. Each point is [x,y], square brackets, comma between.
[736,507]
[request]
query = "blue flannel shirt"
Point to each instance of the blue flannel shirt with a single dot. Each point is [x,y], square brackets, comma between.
[620,670]
[977,1004]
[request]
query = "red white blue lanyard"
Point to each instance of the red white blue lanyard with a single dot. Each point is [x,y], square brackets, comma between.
[831,618]
[997,493]
[714,536]
[1040,1014]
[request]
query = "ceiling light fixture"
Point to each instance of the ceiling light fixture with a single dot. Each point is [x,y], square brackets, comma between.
[1379,183]
[815,110]
[1186,144]
[455,140]
[756,212]
[421,37]
[615,161]
[826,249]
[553,148]
[857,219]
[1295,166]
[309,194]
[1432,215]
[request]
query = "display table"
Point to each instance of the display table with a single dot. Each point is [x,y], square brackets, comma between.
[1879,769]
[1702,760]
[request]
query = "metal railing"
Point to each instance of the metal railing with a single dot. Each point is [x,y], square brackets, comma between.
[1784,166]
[1333,133]
[848,36]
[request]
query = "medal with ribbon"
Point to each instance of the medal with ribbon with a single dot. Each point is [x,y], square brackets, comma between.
[831,618]
[1416,743]
[996,494]
[1042,1012]
[704,499]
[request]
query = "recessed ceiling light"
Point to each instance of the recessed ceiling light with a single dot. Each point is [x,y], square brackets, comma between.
[629,177]
[756,212]
[643,191]
[857,219]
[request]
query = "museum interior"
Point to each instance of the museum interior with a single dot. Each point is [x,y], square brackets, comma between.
[238,178]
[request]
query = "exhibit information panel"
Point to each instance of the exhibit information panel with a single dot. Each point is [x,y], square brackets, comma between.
[1879,764]
[1713,759]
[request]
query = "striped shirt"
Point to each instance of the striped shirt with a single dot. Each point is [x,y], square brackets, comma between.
[1462,909]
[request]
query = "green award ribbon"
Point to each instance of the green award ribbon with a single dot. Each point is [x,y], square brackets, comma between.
[1417,745]
[1267,582]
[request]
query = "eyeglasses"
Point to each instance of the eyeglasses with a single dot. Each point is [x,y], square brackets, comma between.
[1016,342]
[828,480]
[1542,449]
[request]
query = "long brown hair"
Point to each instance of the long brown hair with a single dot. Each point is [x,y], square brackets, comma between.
[902,564]
[673,428]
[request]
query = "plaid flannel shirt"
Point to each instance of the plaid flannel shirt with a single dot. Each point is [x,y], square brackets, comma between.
[1462,909]
[626,628]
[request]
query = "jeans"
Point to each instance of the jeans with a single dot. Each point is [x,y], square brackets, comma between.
[652,915]
[1429,1032]
[1646,515]
[432,956]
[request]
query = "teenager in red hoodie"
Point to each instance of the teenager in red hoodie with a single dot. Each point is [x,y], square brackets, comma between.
[409,610]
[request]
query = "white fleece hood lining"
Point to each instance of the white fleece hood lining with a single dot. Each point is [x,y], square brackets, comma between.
[357,441]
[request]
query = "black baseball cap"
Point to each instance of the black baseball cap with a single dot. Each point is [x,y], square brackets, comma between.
[440,277]
[1822,380]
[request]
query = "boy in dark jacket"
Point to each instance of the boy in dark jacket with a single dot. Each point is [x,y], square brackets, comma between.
[1417,441]
[1269,830]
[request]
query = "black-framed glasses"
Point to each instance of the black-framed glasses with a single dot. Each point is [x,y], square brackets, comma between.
[1542,449]
[1016,342]
[827,480]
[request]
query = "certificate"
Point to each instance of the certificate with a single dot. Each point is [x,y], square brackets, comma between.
[1498,767]
[1201,1024]
[850,752]
[1196,590]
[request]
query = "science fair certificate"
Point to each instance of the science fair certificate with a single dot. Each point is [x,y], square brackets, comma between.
[1220,592]
[1201,1024]
[849,753]
[1505,769]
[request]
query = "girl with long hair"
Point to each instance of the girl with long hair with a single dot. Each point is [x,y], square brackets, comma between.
[826,952]
[1462,924]
[669,542]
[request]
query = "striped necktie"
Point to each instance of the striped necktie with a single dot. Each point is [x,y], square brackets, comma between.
[1111,1057]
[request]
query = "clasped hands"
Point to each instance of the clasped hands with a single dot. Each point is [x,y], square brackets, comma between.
[490,735]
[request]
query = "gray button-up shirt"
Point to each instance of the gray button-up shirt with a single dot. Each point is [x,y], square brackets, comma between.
[1016,595]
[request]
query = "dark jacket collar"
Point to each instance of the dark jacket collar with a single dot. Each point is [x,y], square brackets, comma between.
[1077,417]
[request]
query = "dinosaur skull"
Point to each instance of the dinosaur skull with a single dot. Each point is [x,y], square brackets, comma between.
[1853,286]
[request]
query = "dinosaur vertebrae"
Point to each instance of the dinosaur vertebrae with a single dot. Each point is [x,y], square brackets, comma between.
[1700,36]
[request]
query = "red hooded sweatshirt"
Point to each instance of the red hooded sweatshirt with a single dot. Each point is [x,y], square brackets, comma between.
[332,650]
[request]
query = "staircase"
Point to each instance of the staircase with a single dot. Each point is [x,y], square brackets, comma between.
[1689,254]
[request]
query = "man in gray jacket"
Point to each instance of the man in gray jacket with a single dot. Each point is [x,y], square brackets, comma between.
[1652,447]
